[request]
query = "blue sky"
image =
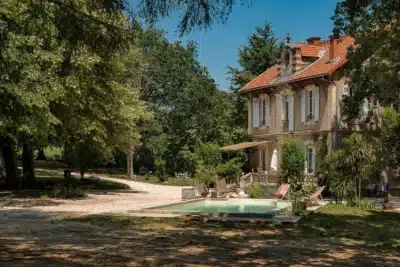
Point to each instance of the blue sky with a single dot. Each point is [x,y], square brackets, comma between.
[218,46]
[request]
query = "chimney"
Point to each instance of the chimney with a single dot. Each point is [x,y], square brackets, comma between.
[333,40]
[314,40]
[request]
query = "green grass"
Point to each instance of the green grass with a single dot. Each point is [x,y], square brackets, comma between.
[151,179]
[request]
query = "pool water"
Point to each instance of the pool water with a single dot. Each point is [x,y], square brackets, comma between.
[260,206]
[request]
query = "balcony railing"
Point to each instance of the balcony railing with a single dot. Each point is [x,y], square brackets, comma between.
[310,117]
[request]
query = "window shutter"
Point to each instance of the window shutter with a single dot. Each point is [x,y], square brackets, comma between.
[256,113]
[303,106]
[316,103]
[278,118]
[266,112]
[291,113]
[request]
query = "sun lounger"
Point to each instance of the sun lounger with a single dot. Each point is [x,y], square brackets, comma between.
[316,195]
[202,190]
[282,191]
[222,188]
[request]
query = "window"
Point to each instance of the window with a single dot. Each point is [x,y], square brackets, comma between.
[309,106]
[264,110]
[286,108]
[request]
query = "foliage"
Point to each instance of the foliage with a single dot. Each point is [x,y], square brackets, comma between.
[188,108]
[159,165]
[293,162]
[205,174]
[260,53]
[53,153]
[196,13]
[349,167]
[373,65]
[255,191]
[293,169]
[389,139]
[209,154]
[230,169]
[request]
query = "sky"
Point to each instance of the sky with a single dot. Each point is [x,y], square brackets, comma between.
[218,46]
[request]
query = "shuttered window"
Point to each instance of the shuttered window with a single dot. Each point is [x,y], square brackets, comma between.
[256,112]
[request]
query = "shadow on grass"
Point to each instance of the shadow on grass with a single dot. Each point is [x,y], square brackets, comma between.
[134,241]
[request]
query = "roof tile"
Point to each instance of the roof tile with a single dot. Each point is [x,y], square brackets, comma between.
[322,66]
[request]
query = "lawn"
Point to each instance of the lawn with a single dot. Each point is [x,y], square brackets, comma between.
[152,179]
[334,236]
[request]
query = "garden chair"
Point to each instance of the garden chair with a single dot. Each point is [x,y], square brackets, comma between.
[202,190]
[222,187]
[282,191]
[316,195]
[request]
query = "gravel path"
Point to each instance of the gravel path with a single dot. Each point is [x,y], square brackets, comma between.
[142,195]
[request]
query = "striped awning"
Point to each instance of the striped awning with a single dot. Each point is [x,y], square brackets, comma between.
[243,145]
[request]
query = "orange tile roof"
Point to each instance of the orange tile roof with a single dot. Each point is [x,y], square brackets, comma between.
[322,66]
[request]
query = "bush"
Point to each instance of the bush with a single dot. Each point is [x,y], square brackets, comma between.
[205,174]
[255,191]
[53,153]
[230,169]
[209,154]
[299,207]
[367,205]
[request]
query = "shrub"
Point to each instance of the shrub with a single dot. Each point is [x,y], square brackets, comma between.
[255,191]
[53,153]
[230,169]
[205,174]
[209,154]
[293,168]
[160,166]
[367,204]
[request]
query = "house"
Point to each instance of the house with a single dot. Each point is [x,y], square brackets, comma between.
[300,96]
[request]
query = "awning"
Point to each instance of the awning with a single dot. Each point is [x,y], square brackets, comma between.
[243,145]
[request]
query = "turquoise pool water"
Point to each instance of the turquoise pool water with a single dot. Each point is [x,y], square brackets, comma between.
[237,206]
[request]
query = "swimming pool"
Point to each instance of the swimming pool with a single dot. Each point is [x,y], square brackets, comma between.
[229,207]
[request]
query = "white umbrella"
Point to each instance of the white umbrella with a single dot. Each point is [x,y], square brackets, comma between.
[274,160]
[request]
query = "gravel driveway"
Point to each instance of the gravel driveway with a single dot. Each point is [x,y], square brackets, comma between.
[142,195]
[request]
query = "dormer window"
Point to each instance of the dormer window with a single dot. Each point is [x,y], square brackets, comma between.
[286,61]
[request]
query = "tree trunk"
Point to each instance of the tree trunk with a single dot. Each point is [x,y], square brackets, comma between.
[41,155]
[28,166]
[130,164]
[10,163]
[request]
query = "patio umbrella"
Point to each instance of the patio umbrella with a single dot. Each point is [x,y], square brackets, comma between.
[274,160]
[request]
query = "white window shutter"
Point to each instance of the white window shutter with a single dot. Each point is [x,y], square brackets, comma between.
[278,118]
[256,113]
[303,105]
[267,114]
[316,103]
[291,113]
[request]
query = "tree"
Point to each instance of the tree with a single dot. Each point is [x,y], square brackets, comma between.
[260,53]
[195,13]
[389,139]
[188,108]
[63,74]
[356,161]
[293,161]
[374,63]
